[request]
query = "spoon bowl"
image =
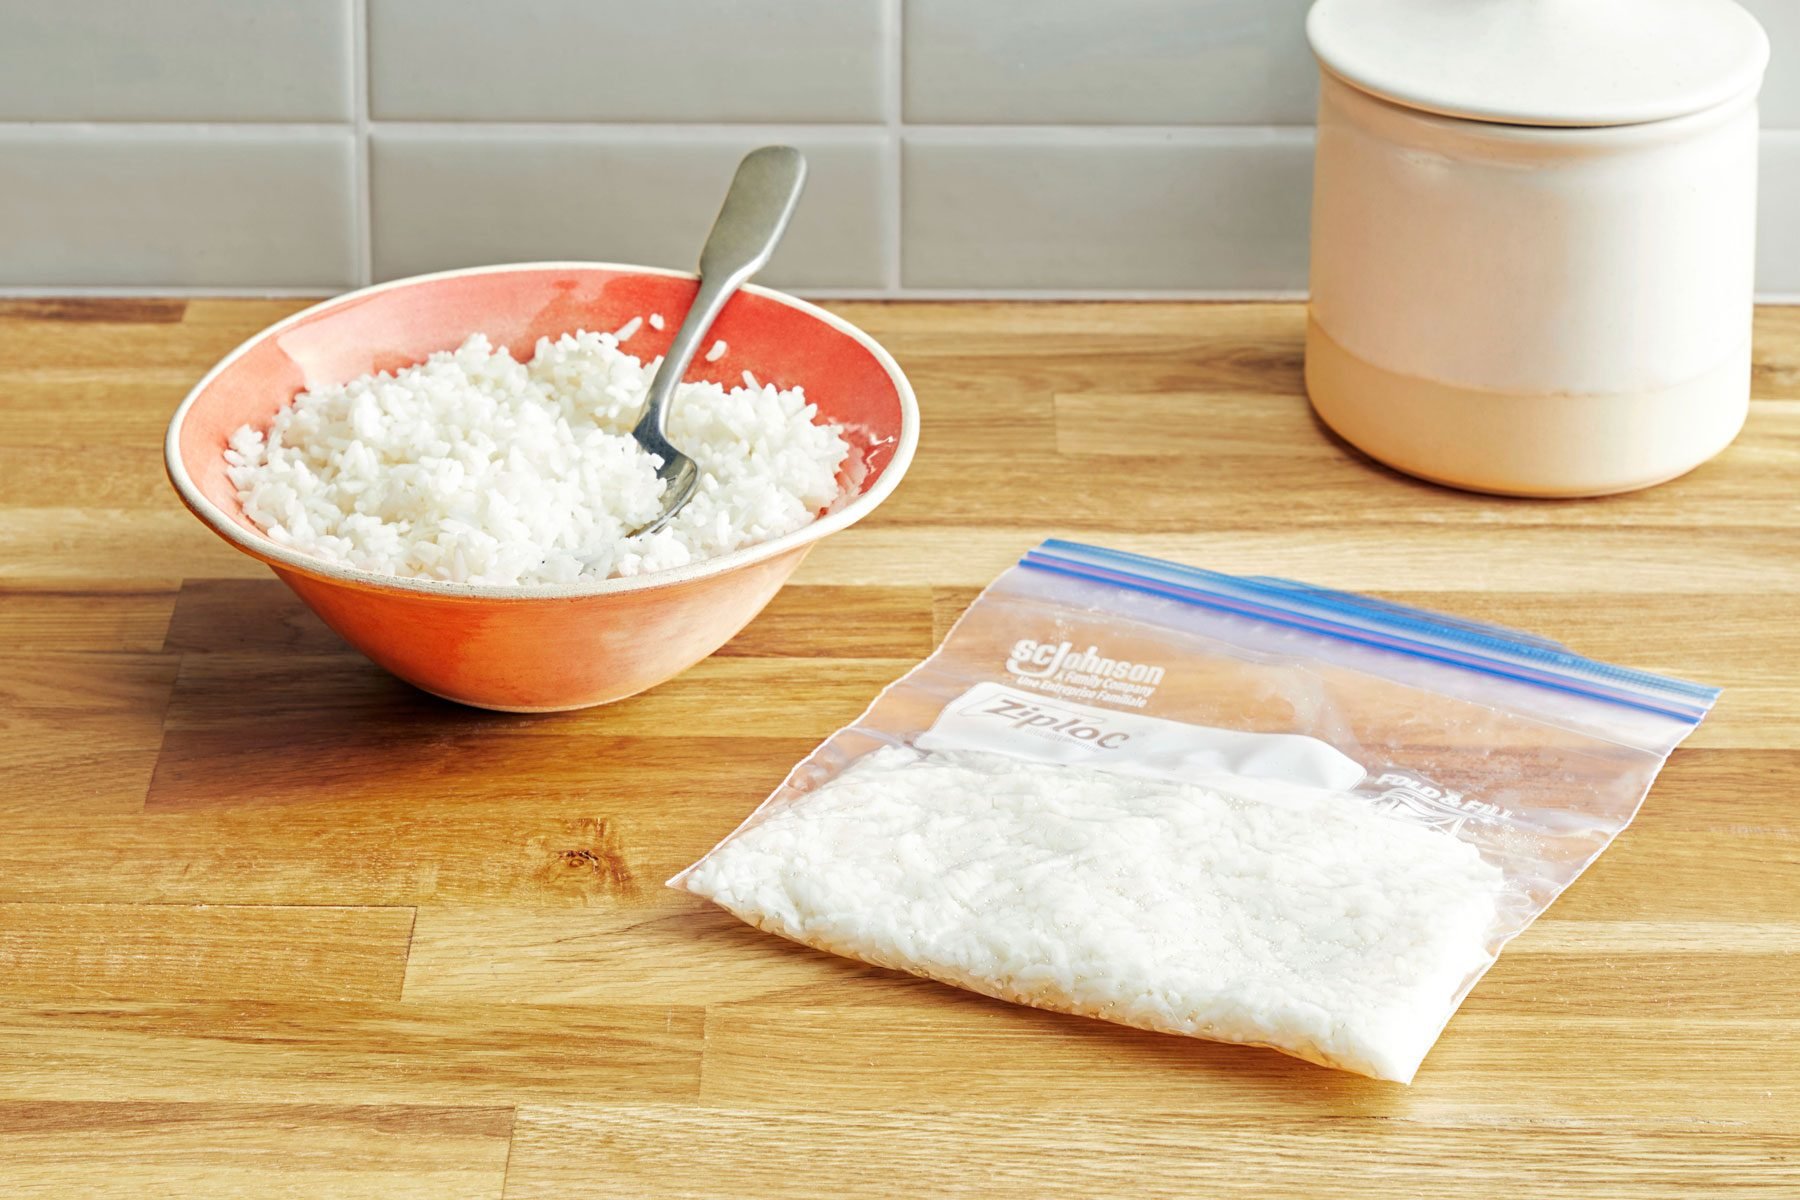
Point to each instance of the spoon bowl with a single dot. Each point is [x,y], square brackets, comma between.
[679,473]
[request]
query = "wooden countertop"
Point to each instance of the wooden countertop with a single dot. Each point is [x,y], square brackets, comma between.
[271,923]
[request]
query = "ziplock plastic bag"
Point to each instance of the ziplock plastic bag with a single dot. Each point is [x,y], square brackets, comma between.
[1242,809]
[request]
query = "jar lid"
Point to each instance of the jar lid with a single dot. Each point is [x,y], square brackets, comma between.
[1543,62]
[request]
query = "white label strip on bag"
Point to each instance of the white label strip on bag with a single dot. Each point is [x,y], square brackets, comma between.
[1000,720]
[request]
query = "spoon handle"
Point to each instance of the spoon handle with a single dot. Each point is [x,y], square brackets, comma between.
[751,221]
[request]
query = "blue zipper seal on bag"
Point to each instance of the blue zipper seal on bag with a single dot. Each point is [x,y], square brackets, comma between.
[1419,633]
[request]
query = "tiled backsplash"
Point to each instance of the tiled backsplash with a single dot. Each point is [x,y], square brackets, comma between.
[959,147]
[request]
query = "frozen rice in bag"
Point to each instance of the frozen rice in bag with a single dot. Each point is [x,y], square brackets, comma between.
[1239,809]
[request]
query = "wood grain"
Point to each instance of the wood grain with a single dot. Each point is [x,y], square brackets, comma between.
[97,310]
[1093,1149]
[79,732]
[348,1052]
[130,1150]
[632,954]
[1487,1065]
[1353,555]
[628,954]
[188,952]
[87,620]
[273,924]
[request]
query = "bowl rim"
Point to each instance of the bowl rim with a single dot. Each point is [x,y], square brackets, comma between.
[257,545]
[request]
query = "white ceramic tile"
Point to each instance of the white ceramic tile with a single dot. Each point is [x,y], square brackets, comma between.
[613,60]
[1781,85]
[1778,215]
[245,208]
[175,60]
[1226,210]
[449,199]
[1151,62]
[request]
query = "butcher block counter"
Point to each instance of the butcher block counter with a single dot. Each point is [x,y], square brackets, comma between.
[274,924]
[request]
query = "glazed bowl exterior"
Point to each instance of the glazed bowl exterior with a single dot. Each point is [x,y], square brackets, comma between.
[1532,310]
[543,647]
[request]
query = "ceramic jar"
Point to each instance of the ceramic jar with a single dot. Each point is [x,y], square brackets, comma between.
[1533,237]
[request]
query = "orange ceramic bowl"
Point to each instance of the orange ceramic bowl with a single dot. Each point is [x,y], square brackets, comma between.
[545,647]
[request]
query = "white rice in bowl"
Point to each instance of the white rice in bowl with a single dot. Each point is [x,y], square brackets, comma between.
[476,468]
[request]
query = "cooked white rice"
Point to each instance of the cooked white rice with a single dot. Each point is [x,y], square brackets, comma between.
[475,468]
[1241,910]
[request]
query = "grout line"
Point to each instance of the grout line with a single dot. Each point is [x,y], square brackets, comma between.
[127,130]
[645,131]
[893,23]
[651,131]
[1057,135]
[364,216]
[635,131]
[682,131]
[677,130]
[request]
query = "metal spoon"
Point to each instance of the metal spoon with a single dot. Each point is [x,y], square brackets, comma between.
[749,226]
